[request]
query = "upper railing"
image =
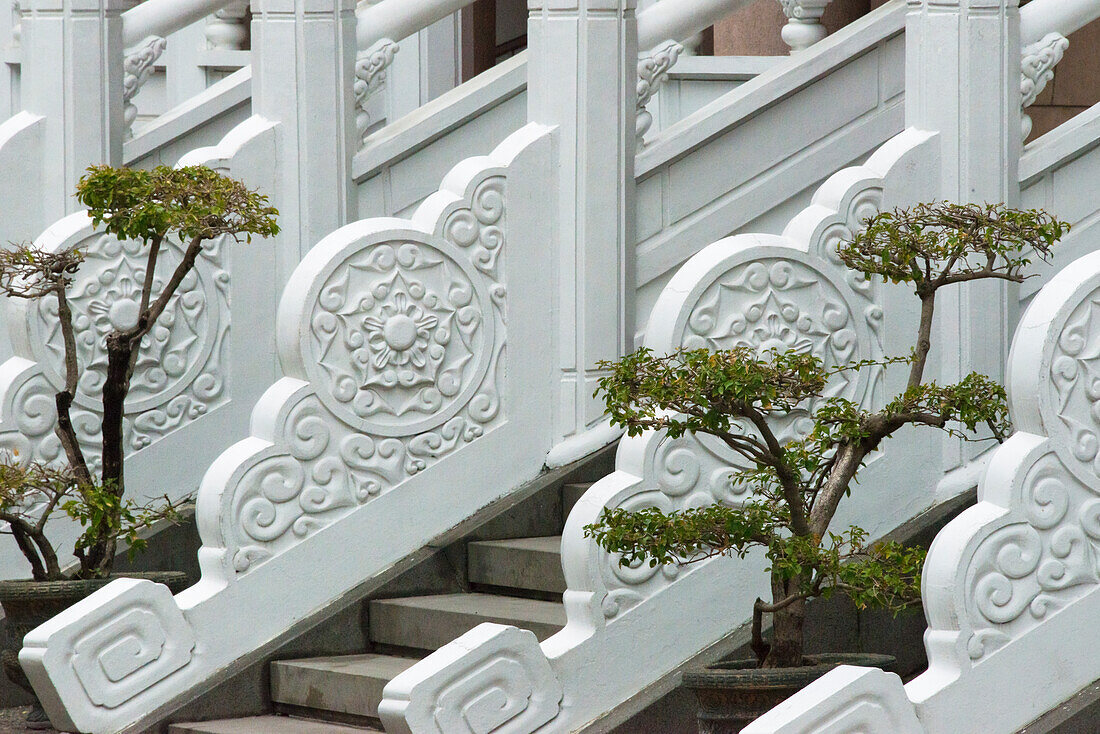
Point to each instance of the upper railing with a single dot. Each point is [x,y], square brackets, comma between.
[1044,29]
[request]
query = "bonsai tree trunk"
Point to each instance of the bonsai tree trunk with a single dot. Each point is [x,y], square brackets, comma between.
[787,622]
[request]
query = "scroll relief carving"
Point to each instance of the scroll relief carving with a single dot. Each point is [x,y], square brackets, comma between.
[1045,556]
[181,369]
[370,77]
[491,679]
[1037,70]
[765,298]
[405,361]
[653,68]
[788,297]
[133,639]
[137,68]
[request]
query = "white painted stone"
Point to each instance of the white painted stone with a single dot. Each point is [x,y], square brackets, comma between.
[594,46]
[609,607]
[114,645]
[493,678]
[327,466]
[847,699]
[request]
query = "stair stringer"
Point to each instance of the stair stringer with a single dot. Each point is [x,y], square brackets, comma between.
[1012,584]
[193,382]
[629,627]
[323,476]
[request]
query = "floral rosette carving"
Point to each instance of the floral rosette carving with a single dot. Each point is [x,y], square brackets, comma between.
[180,373]
[402,355]
[1043,554]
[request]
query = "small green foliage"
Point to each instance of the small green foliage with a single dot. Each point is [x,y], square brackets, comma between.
[194,202]
[101,512]
[796,484]
[931,245]
[705,391]
[31,491]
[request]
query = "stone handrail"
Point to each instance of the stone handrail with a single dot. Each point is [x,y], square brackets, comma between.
[680,19]
[1044,27]
[163,17]
[1041,17]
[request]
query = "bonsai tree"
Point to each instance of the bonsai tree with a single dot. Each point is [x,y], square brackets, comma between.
[195,205]
[797,485]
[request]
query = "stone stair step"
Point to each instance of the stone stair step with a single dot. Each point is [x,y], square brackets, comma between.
[570,494]
[429,622]
[519,563]
[343,684]
[266,725]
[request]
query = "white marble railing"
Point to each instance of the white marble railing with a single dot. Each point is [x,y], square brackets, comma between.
[412,354]
[1044,27]
[748,290]
[145,30]
[1011,585]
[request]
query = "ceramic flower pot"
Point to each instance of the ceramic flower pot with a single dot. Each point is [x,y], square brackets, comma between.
[735,693]
[28,604]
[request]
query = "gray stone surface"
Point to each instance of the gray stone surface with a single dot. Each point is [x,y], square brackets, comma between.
[266,725]
[570,493]
[344,684]
[429,622]
[519,563]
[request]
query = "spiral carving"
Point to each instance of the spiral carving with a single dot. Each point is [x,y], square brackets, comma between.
[493,678]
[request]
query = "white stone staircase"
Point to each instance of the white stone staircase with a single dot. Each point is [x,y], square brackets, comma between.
[497,248]
[513,581]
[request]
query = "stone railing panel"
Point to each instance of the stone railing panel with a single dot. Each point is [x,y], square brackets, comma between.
[399,386]
[787,291]
[1015,577]
[1010,584]
[193,377]
[848,699]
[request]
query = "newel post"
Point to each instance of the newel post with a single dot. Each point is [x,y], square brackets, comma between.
[582,78]
[963,80]
[72,77]
[303,71]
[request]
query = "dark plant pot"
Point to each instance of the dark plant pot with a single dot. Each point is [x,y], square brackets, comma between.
[28,604]
[735,693]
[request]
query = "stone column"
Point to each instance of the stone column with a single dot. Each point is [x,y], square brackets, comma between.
[963,80]
[303,66]
[72,77]
[582,78]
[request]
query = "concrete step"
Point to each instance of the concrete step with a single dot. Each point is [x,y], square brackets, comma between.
[343,684]
[266,725]
[520,563]
[429,622]
[570,493]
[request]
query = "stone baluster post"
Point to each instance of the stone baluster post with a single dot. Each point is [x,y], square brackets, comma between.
[303,71]
[803,27]
[73,77]
[963,80]
[582,78]
[228,28]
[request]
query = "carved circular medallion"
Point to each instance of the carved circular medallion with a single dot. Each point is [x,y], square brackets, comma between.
[780,304]
[1070,403]
[105,296]
[401,336]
